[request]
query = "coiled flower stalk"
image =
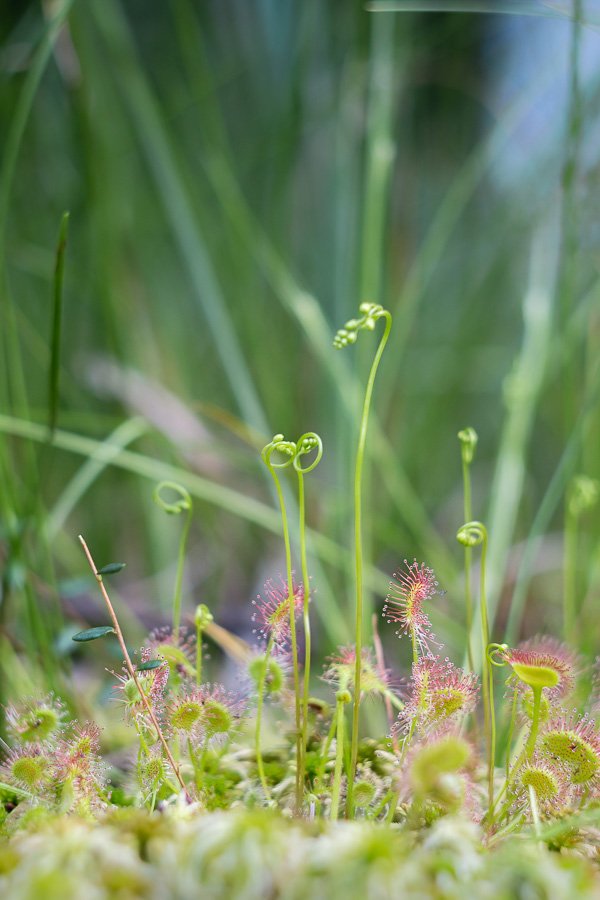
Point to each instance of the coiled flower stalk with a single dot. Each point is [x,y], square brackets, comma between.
[371,313]
[474,534]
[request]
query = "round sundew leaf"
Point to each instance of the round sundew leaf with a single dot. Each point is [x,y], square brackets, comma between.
[111,568]
[434,762]
[572,749]
[364,793]
[185,716]
[216,718]
[536,676]
[150,664]
[543,782]
[92,634]
[30,770]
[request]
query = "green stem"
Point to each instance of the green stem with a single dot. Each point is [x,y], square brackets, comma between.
[511,729]
[325,752]
[194,761]
[395,799]
[487,676]
[395,701]
[173,508]
[202,619]
[202,763]
[405,745]
[535,722]
[179,576]
[535,813]
[492,750]
[306,622]
[570,577]
[360,455]
[259,708]
[387,798]
[290,586]
[199,632]
[342,698]
[468,551]
[527,751]
[198,655]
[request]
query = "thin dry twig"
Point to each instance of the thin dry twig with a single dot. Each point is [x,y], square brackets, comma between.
[130,666]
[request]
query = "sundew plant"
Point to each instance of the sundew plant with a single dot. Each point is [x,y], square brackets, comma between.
[299,471]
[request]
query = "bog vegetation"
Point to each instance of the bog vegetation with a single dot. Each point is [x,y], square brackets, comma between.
[408,703]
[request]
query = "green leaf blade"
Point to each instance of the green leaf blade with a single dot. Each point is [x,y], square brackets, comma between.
[111,568]
[92,634]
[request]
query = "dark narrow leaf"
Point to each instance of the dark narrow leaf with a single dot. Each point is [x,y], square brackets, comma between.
[57,295]
[151,664]
[499,7]
[92,634]
[111,568]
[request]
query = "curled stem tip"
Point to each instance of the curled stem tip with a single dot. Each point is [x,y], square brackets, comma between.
[468,440]
[471,534]
[347,335]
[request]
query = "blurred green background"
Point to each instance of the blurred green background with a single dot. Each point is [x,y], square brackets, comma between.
[240,175]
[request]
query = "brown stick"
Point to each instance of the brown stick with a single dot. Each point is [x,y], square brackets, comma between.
[130,667]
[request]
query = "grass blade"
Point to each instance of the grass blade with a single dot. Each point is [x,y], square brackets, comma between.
[232,501]
[550,9]
[55,341]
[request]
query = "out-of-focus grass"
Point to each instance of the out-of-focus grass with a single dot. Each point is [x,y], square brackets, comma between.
[240,176]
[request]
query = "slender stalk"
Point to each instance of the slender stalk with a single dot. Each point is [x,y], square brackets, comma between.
[290,585]
[202,763]
[183,504]
[487,677]
[342,697]
[202,619]
[511,729]
[526,752]
[569,577]
[193,760]
[387,798]
[198,655]
[306,444]
[581,496]
[259,709]
[381,665]
[395,799]
[325,751]
[415,647]
[473,534]
[358,550]
[306,623]
[131,668]
[468,440]
[535,722]
[492,746]
[535,812]
[405,745]
[179,577]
